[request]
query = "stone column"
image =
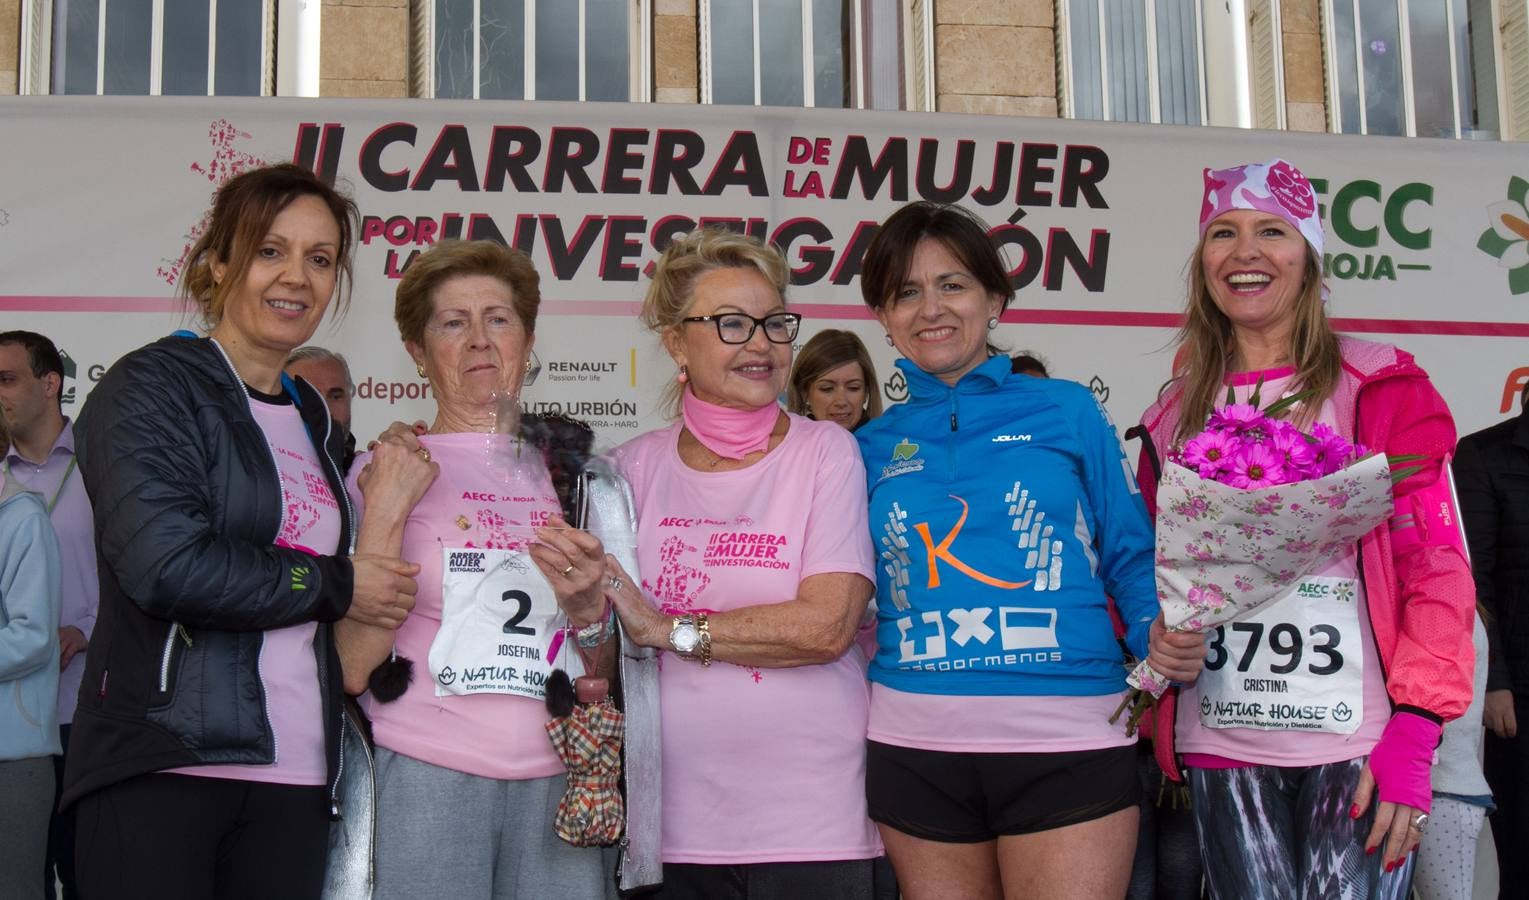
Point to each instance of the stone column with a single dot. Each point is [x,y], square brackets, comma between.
[1305,95]
[364,48]
[676,52]
[996,57]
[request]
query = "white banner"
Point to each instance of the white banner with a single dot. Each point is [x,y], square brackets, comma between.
[101,197]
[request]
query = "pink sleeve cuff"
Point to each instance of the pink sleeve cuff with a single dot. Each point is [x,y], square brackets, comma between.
[1402,760]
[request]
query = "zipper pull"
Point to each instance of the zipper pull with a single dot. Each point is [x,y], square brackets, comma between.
[102,693]
[952,420]
[623,856]
[185,635]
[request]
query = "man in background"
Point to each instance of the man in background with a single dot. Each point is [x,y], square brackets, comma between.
[329,374]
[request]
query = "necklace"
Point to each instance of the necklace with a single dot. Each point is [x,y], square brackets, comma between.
[715,459]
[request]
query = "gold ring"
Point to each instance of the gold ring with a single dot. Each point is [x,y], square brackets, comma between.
[568,570]
[424,453]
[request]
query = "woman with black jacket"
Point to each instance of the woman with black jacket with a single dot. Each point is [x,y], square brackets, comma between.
[205,750]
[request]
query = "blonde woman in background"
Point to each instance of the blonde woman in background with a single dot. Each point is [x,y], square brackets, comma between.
[834,381]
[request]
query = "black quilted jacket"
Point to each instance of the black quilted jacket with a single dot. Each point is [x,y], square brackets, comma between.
[187,504]
[1492,476]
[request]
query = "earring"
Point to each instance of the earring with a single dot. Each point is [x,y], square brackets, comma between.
[528,367]
[420,368]
[684,375]
[992,322]
[889,339]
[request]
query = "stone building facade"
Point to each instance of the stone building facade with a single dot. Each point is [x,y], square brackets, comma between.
[1304,65]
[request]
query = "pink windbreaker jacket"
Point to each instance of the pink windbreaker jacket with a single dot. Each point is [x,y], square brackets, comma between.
[1416,577]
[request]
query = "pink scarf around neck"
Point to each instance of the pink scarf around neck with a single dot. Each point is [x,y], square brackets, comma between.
[729,433]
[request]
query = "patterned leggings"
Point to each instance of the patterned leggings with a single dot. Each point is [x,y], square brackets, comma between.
[1446,867]
[1271,833]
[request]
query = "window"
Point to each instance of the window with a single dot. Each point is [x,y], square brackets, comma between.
[168,47]
[1420,68]
[532,49]
[828,53]
[1131,60]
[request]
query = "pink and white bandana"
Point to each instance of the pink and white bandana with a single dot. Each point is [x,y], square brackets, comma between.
[1275,187]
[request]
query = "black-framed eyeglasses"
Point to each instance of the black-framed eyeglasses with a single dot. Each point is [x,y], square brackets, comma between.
[738,328]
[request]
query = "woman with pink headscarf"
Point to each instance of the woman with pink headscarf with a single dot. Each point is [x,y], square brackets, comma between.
[1308,737]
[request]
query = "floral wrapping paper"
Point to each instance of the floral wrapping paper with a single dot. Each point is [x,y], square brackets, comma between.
[1223,552]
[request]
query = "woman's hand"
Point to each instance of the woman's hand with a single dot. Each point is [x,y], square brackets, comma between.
[1393,823]
[1176,655]
[400,431]
[397,476]
[1398,773]
[644,623]
[382,590]
[573,562]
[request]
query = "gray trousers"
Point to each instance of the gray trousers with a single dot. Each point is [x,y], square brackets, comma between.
[444,833]
[27,788]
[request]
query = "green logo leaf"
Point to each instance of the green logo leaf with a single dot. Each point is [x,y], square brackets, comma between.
[1507,236]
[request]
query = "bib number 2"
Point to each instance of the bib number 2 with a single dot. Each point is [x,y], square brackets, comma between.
[498,615]
[522,601]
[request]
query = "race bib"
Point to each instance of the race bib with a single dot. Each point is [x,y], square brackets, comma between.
[1296,665]
[498,618]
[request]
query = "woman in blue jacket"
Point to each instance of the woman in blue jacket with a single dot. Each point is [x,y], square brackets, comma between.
[1005,514]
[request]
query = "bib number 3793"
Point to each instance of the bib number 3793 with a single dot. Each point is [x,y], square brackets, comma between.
[1295,665]
[1283,647]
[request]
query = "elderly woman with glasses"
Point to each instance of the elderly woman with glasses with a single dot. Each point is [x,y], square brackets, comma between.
[755,575]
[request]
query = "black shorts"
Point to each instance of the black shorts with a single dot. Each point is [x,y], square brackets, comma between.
[967,798]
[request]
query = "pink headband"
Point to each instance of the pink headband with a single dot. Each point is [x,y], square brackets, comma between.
[1275,187]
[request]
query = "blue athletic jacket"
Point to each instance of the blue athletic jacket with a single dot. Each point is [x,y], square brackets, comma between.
[1004,512]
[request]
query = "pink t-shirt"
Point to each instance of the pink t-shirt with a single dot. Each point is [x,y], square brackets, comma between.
[480,500]
[997,724]
[1213,747]
[288,667]
[759,765]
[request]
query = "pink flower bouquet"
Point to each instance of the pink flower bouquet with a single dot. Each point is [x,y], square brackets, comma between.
[1247,507]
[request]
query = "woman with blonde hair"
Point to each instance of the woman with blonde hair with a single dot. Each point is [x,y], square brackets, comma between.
[834,381]
[755,575]
[1298,807]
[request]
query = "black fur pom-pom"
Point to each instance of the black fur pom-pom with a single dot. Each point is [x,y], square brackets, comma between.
[560,694]
[390,679]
